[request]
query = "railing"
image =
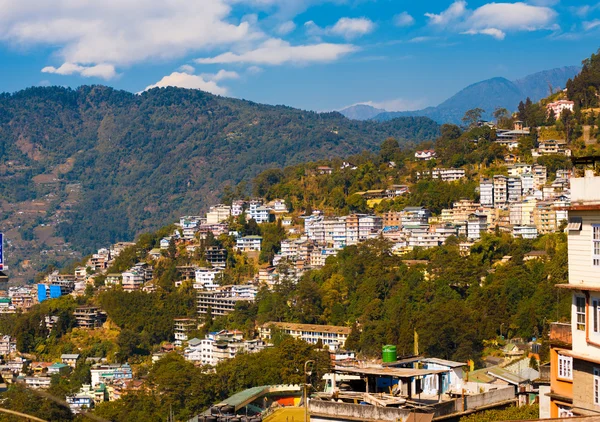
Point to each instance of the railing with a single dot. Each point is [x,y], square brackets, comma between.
[560,333]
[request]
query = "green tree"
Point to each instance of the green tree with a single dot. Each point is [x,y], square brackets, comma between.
[472,116]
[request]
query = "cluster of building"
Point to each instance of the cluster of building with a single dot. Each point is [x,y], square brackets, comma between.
[216,347]
[108,382]
[525,201]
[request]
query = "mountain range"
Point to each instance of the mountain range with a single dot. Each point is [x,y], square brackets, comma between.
[487,95]
[80,169]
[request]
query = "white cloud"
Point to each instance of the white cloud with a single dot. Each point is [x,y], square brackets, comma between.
[451,14]
[512,16]
[185,80]
[285,28]
[589,25]
[352,27]
[404,19]
[220,75]
[121,33]
[186,68]
[345,27]
[495,19]
[254,70]
[103,70]
[494,32]
[422,39]
[277,52]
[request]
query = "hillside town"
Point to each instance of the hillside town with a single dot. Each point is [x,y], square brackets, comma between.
[447,274]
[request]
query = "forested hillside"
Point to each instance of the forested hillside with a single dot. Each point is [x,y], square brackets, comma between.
[110,164]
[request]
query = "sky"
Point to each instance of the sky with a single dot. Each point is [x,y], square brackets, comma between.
[312,54]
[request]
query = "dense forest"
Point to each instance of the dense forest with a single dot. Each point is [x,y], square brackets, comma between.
[143,159]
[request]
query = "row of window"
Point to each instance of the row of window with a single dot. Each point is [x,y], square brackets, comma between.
[565,371]
[580,313]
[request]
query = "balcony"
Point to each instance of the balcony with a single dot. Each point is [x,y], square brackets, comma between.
[560,333]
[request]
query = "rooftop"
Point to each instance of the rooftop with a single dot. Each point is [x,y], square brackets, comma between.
[309,327]
[389,371]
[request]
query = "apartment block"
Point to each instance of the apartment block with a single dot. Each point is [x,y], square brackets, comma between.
[329,335]
[575,362]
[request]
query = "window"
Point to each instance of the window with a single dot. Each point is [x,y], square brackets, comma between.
[596,386]
[580,312]
[595,313]
[596,245]
[565,367]
[565,412]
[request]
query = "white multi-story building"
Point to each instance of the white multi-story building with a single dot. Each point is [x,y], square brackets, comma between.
[575,352]
[338,233]
[205,278]
[329,335]
[526,232]
[8,345]
[500,191]
[486,192]
[369,226]
[514,189]
[519,169]
[248,243]
[132,280]
[476,224]
[259,213]
[540,175]
[237,208]
[319,255]
[103,373]
[527,183]
[557,107]
[222,301]
[182,327]
[218,214]
[219,346]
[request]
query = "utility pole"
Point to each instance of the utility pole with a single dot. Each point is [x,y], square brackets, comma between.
[307,374]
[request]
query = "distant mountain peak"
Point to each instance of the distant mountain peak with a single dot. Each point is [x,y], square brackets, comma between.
[492,93]
[361,112]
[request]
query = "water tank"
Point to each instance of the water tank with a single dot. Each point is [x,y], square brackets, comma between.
[389,353]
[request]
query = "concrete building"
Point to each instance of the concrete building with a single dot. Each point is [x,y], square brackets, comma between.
[8,345]
[514,189]
[329,335]
[102,373]
[222,301]
[217,257]
[544,218]
[70,359]
[218,214]
[219,346]
[486,192]
[249,243]
[500,191]
[557,107]
[575,351]
[182,327]
[526,232]
[476,224]
[205,278]
[540,176]
[89,317]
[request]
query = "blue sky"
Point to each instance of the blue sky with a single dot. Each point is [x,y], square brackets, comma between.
[311,54]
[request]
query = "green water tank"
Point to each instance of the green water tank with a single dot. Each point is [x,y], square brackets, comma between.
[389,353]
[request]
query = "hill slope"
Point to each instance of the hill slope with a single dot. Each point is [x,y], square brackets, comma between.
[102,165]
[492,93]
